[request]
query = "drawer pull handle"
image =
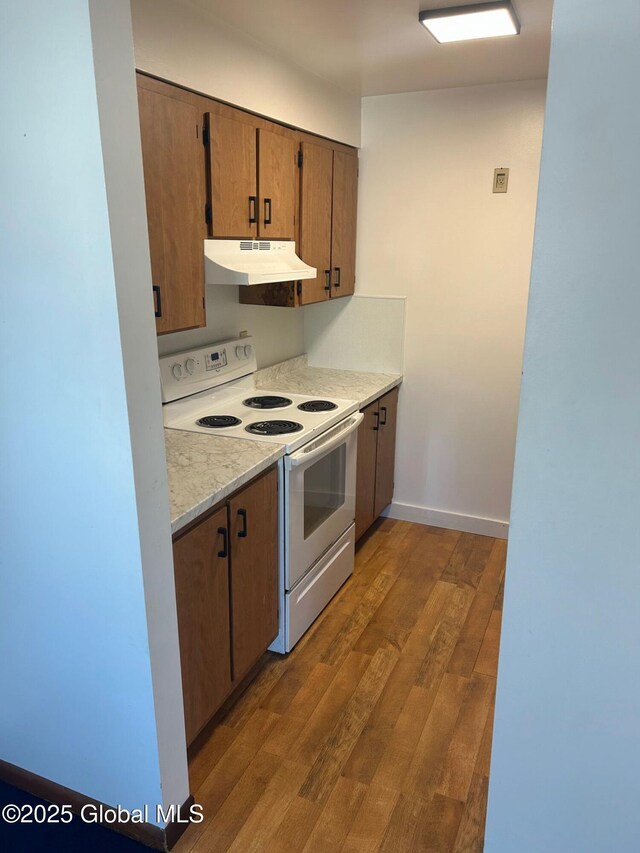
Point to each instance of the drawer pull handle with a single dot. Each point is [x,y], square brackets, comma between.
[225,542]
[157,300]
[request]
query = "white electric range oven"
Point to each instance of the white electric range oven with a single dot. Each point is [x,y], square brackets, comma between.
[212,390]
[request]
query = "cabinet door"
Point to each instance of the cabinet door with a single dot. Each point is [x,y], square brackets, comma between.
[277,173]
[202,596]
[174,178]
[343,229]
[366,469]
[253,515]
[315,220]
[234,202]
[388,407]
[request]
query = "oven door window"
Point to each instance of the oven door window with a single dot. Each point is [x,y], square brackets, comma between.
[324,488]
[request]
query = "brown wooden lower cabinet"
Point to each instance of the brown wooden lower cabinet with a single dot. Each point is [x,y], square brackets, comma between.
[253,516]
[366,469]
[226,576]
[201,567]
[376,457]
[385,461]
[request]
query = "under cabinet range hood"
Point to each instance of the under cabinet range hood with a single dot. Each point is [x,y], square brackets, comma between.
[249,262]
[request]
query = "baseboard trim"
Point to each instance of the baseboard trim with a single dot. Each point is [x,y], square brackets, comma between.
[448,520]
[145,833]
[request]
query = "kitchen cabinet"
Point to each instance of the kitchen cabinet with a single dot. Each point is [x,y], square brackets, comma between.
[277,182]
[226,579]
[343,223]
[328,209]
[174,178]
[253,179]
[385,459]
[253,518]
[201,566]
[376,457]
[315,220]
[233,167]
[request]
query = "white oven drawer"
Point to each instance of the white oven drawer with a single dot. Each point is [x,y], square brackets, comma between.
[316,589]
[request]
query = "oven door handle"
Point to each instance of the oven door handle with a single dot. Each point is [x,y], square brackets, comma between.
[326,443]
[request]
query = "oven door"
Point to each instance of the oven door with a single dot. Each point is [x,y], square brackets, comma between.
[320,496]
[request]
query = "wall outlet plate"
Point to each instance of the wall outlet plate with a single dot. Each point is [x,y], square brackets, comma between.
[500,180]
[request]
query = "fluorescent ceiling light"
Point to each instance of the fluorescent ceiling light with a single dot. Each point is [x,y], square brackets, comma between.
[478,21]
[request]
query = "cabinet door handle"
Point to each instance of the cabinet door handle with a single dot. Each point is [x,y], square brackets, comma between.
[242,534]
[383,422]
[338,277]
[327,279]
[376,415]
[157,301]
[267,207]
[253,209]
[225,542]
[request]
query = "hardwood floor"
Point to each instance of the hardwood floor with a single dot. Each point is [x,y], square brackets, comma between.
[374,734]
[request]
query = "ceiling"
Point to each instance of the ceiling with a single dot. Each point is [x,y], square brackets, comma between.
[375,47]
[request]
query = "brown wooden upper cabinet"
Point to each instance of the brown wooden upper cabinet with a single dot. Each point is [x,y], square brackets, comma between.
[253,180]
[174,178]
[234,167]
[376,457]
[328,209]
[343,223]
[215,171]
[277,182]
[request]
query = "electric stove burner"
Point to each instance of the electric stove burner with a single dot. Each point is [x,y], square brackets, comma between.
[267,401]
[273,427]
[218,421]
[317,406]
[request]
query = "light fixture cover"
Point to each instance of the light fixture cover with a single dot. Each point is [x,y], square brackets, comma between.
[477,21]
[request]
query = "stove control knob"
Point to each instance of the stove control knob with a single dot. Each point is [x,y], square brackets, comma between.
[239,352]
[189,365]
[176,369]
[248,349]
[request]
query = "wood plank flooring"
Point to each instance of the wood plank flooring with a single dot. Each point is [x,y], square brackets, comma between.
[374,734]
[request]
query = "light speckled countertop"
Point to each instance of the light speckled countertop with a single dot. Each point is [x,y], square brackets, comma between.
[205,469]
[297,377]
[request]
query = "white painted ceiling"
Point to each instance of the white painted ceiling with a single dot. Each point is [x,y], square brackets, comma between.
[374,47]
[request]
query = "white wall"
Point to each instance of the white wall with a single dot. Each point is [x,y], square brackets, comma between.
[78,704]
[430,228]
[564,773]
[176,40]
[179,42]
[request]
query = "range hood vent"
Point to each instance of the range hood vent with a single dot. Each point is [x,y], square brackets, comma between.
[248,262]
